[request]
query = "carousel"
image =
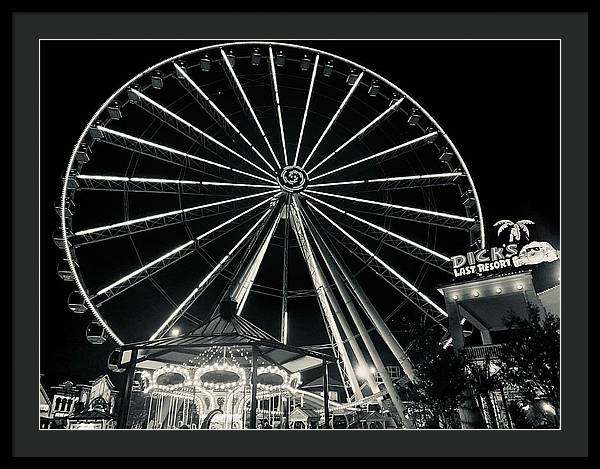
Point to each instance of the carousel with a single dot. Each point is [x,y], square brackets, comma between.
[226,374]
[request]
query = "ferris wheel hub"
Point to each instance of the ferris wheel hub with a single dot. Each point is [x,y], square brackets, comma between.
[292,179]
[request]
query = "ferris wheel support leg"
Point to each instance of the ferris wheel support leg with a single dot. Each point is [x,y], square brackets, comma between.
[126,392]
[378,322]
[253,401]
[364,334]
[326,394]
[242,285]
[344,323]
[317,277]
[284,296]
[362,362]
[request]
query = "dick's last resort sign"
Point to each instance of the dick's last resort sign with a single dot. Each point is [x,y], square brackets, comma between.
[515,253]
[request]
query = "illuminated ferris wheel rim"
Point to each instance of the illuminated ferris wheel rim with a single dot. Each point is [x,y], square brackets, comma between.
[284,187]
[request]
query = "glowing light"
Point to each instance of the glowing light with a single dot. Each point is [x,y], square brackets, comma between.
[179,248]
[310,90]
[390,179]
[358,134]
[167,214]
[223,116]
[376,155]
[381,229]
[386,204]
[175,331]
[247,101]
[519,287]
[173,151]
[197,130]
[334,118]
[546,407]
[362,372]
[455,297]
[382,262]
[475,293]
[498,290]
[176,313]
[279,118]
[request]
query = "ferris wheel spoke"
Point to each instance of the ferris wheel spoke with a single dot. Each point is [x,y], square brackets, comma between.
[334,118]
[390,153]
[308,98]
[400,182]
[278,104]
[360,133]
[389,238]
[387,272]
[158,220]
[192,88]
[247,101]
[162,152]
[408,213]
[155,185]
[188,129]
[242,287]
[171,257]
[207,280]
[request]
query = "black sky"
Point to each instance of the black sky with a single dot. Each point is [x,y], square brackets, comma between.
[497,100]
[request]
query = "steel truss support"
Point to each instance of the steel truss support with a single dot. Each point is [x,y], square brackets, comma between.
[213,110]
[204,101]
[168,154]
[399,283]
[361,133]
[227,65]
[319,282]
[400,182]
[308,98]
[430,217]
[417,298]
[334,270]
[154,185]
[334,118]
[189,130]
[386,154]
[389,238]
[374,316]
[159,220]
[277,104]
[255,230]
[169,258]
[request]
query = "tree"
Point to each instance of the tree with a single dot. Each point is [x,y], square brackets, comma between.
[442,382]
[515,228]
[530,361]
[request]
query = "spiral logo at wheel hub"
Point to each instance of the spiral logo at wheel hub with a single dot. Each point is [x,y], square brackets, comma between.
[292,179]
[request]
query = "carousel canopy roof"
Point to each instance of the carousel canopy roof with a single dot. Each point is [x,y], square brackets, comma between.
[223,331]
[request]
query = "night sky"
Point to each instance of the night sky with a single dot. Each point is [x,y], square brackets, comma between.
[497,100]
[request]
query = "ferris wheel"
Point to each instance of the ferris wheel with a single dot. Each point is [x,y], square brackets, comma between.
[190,171]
